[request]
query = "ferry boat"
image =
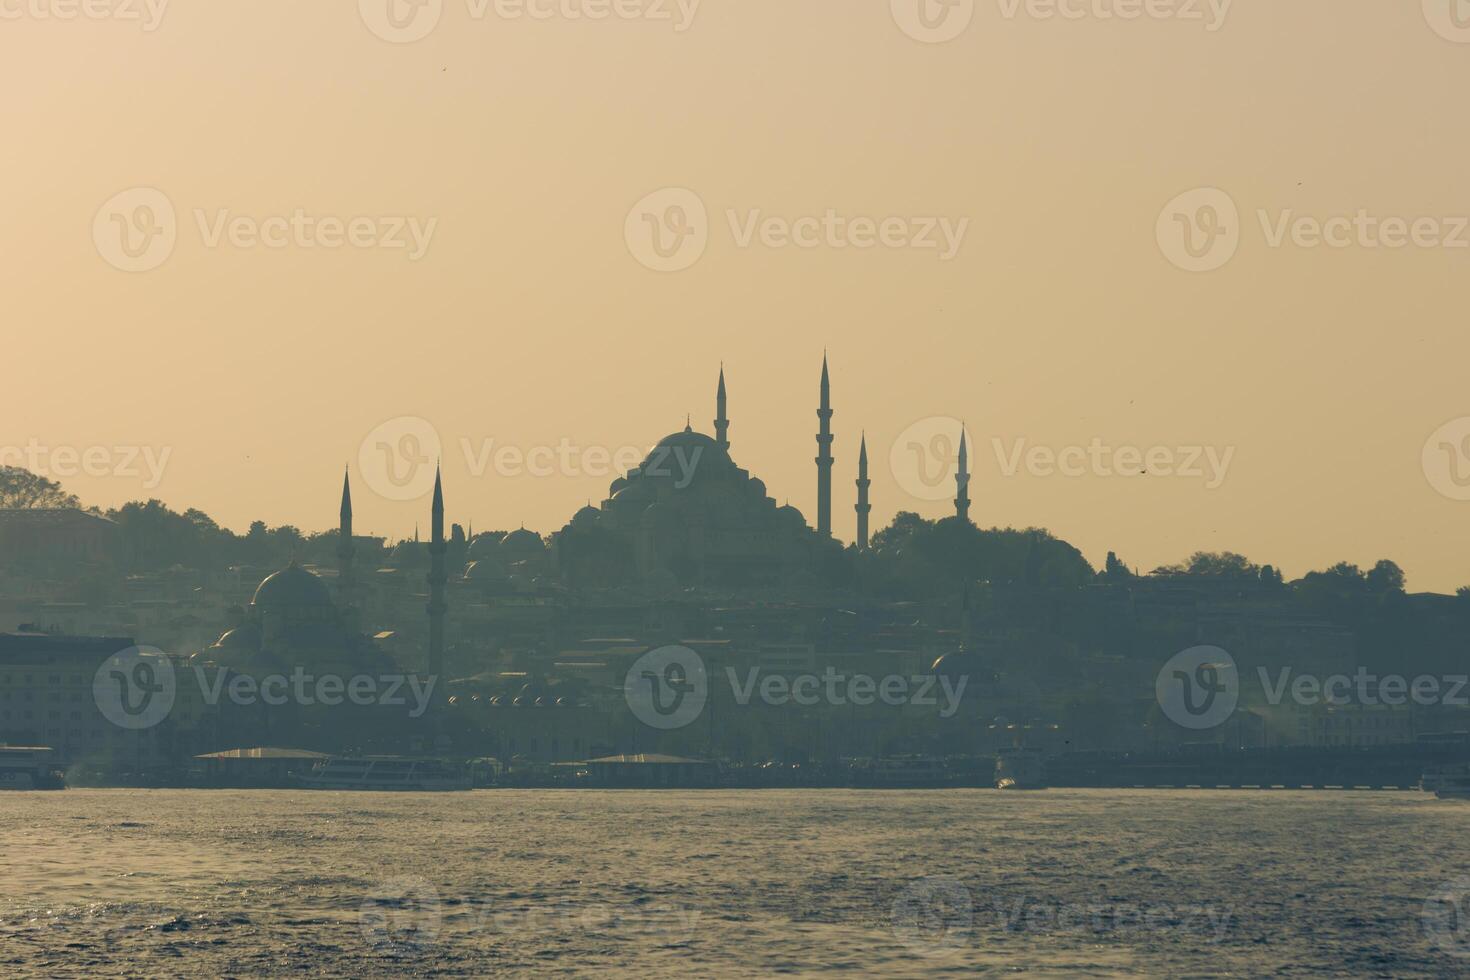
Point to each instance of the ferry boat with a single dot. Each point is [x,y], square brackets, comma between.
[382,773]
[1020,769]
[29,767]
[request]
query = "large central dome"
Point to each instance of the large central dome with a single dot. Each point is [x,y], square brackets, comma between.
[689,440]
[292,587]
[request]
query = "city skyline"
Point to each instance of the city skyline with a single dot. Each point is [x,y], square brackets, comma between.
[929,469]
[529,317]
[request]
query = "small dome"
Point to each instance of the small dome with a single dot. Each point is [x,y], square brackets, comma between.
[292,587]
[791,514]
[485,545]
[616,485]
[485,573]
[521,544]
[586,515]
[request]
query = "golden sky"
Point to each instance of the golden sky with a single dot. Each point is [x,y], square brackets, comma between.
[272,321]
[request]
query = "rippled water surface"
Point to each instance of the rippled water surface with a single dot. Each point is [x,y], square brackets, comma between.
[155,883]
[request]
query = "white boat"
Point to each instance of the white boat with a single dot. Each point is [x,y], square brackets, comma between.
[383,773]
[1020,769]
[29,767]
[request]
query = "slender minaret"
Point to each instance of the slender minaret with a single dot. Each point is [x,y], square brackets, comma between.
[437,578]
[345,548]
[722,420]
[962,481]
[824,457]
[862,502]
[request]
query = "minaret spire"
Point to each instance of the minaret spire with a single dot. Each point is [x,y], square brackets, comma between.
[437,578]
[962,480]
[824,455]
[345,544]
[722,420]
[862,500]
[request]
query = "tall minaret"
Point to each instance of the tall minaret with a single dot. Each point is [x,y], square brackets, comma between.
[862,502]
[437,578]
[824,457]
[345,548]
[722,420]
[962,481]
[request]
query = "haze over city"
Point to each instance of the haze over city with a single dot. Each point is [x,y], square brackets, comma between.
[526,319]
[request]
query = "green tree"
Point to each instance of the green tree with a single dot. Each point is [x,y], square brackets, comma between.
[1385,576]
[20,489]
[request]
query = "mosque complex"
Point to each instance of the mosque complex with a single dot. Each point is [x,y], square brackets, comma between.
[688,515]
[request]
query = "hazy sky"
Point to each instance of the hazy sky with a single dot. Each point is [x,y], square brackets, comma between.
[527,313]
